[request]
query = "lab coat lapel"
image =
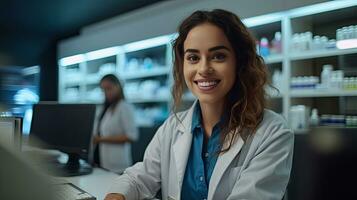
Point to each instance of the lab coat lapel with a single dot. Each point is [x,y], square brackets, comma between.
[182,145]
[181,152]
[222,164]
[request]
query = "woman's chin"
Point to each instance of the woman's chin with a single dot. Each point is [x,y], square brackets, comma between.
[209,99]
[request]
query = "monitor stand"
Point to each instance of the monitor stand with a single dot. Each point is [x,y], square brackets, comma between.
[73,167]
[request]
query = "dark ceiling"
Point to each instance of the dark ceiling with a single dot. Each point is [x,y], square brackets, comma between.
[30,28]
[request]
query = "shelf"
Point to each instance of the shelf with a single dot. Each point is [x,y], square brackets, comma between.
[72,80]
[72,84]
[93,78]
[263,19]
[321,53]
[297,93]
[273,59]
[17,87]
[148,43]
[159,71]
[148,100]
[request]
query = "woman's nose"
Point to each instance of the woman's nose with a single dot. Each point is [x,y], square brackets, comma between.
[204,67]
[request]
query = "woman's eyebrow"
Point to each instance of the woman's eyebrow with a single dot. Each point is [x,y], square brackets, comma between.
[218,48]
[210,49]
[192,51]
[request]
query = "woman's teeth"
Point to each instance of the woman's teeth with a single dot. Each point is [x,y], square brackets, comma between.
[207,83]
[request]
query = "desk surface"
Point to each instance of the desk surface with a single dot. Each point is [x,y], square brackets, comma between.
[96,183]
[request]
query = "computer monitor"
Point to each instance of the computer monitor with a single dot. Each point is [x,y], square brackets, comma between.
[11,130]
[65,127]
[324,164]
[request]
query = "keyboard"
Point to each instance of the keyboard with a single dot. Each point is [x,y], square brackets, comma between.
[68,191]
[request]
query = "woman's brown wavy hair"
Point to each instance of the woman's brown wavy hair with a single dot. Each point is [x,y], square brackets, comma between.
[246,100]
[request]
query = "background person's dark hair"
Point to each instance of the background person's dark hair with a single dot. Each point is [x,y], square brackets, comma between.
[107,104]
[246,100]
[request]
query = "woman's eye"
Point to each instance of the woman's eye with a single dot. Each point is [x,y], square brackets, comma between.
[219,57]
[192,58]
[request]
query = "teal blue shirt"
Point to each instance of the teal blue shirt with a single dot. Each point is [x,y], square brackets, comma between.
[201,160]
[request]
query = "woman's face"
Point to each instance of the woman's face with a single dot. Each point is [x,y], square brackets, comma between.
[209,65]
[110,90]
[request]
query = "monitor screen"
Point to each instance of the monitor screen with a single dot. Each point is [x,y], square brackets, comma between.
[324,164]
[65,127]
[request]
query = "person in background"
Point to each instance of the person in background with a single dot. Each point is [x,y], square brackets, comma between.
[227,145]
[114,128]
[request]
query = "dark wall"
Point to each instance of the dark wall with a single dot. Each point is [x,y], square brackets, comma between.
[49,73]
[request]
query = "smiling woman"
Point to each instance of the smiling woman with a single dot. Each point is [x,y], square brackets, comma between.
[227,145]
[209,66]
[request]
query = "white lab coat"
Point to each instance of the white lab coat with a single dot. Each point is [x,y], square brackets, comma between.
[254,169]
[119,121]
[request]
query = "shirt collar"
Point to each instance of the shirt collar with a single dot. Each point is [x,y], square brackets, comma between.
[196,117]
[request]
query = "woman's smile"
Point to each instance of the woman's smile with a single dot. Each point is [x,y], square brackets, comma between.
[207,85]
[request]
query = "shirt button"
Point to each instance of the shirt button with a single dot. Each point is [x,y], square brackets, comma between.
[201,178]
[206,155]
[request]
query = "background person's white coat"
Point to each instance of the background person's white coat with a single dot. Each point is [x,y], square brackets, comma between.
[119,121]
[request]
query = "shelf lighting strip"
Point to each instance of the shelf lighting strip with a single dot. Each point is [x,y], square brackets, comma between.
[145,44]
[71,60]
[102,53]
[321,7]
[263,19]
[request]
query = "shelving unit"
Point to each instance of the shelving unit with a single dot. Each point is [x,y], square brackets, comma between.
[321,53]
[274,59]
[332,16]
[82,72]
[143,67]
[322,93]
[147,73]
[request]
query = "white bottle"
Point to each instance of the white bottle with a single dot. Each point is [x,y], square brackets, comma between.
[314,118]
[293,44]
[308,38]
[344,33]
[276,43]
[316,42]
[277,79]
[324,42]
[339,34]
[326,76]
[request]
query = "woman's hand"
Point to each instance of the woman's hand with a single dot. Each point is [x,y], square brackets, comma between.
[96,139]
[114,196]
